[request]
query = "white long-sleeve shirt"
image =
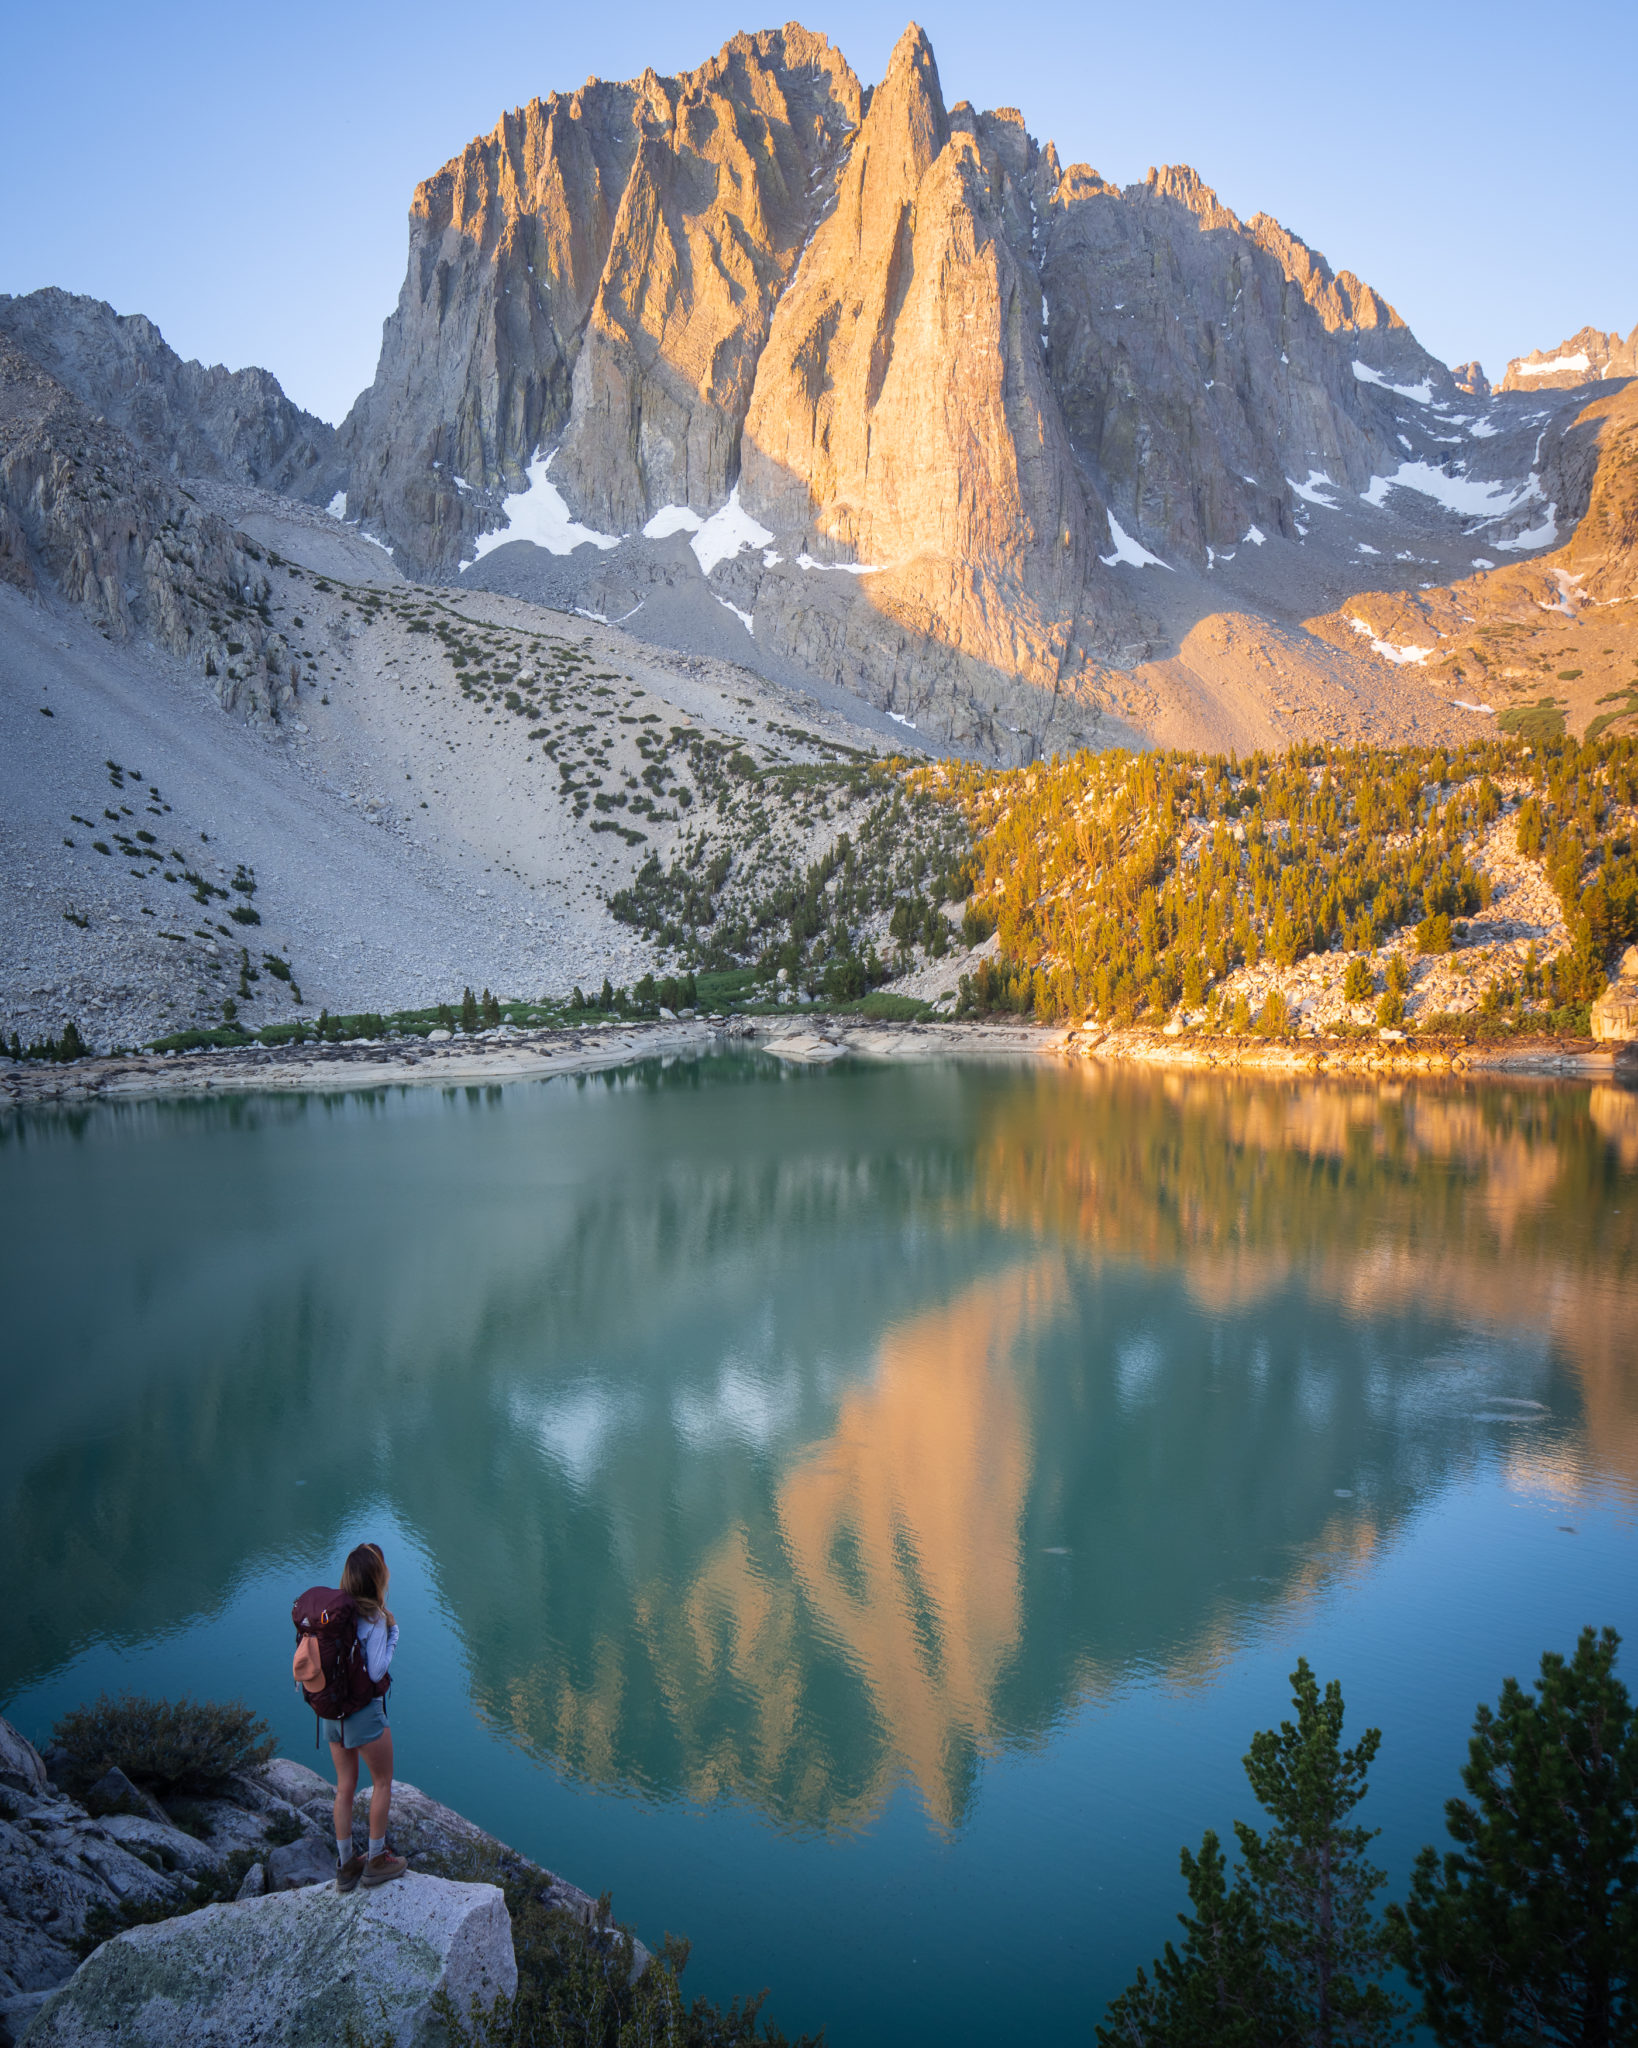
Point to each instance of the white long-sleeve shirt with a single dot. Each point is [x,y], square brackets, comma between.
[379,1643]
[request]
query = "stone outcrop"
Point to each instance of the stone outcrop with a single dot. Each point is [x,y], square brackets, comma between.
[1598,476]
[428,1833]
[599,269]
[183,417]
[1615,1013]
[1586,357]
[80,508]
[67,1876]
[298,1969]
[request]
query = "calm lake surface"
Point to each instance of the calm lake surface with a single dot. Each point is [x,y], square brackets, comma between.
[859,1515]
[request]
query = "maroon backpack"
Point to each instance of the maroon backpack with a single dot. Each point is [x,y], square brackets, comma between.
[329,1664]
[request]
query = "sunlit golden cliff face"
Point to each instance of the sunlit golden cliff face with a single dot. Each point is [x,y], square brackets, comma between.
[903,1528]
[894,1551]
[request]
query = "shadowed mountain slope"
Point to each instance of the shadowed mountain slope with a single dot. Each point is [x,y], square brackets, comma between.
[236,425]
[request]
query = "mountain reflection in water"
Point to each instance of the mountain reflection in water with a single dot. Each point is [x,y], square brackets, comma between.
[789,1436]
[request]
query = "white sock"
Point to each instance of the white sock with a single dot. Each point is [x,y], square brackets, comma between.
[377,1848]
[344,1849]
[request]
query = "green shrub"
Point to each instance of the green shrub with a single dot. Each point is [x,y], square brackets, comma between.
[1433,934]
[575,1984]
[1542,721]
[166,1745]
[1357,984]
[976,925]
[884,1004]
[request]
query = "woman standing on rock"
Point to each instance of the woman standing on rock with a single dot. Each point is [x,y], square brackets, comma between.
[357,1729]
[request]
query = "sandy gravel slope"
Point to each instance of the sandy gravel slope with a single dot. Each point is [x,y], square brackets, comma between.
[405,838]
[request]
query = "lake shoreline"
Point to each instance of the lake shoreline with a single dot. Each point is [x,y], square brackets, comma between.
[497,1057]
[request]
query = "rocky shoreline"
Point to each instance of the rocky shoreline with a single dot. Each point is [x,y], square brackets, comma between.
[70,1870]
[1397,1055]
[513,1055]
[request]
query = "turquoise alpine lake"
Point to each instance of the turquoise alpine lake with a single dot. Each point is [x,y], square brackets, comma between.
[858,1515]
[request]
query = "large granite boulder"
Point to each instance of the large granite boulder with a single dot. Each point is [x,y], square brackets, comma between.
[22,1768]
[1615,1013]
[292,1970]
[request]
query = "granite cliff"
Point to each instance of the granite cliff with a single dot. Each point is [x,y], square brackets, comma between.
[183,417]
[83,512]
[599,270]
[887,335]
[863,391]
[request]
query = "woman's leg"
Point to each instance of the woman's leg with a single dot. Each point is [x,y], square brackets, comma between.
[346,1763]
[378,1755]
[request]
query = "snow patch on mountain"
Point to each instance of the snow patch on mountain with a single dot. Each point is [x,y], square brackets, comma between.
[726,532]
[1421,394]
[1416,657]
[1132,552]
[1469,496]
[539,514]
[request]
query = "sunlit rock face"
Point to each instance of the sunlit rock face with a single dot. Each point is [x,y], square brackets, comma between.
[599,269]
[918,347]
[1587,357]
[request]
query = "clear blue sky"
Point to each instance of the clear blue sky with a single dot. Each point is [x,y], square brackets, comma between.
[243,175]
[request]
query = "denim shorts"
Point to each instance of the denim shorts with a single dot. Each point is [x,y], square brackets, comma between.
[358,1728]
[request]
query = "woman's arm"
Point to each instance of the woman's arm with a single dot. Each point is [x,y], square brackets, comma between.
[379,1643]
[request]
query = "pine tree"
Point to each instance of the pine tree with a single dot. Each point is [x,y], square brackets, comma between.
[1528,1931]
[469,1012]
[1219,1992]
[1309,1879]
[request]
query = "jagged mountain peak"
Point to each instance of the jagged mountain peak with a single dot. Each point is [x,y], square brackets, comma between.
[917,347]
[1184,184]
[185,417]
[1585,357]
[907,112]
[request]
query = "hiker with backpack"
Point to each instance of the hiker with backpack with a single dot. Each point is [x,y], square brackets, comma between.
[345,1637]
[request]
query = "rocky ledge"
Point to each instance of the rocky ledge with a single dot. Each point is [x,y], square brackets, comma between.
[112,1907]
[1615,1014]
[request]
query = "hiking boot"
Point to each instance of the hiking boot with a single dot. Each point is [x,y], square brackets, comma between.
[348,1874]
[384,1868]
